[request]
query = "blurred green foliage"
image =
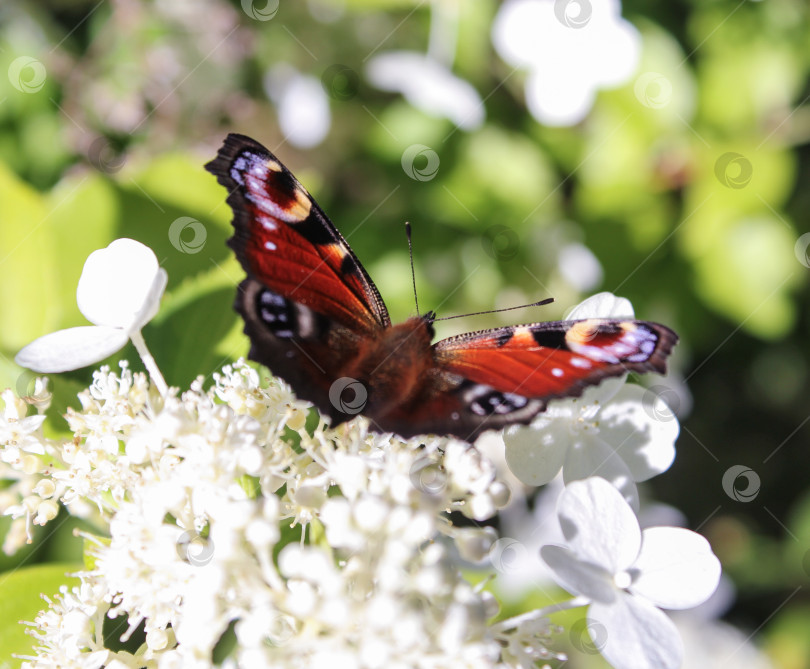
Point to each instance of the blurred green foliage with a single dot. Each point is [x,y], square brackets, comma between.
[689,189]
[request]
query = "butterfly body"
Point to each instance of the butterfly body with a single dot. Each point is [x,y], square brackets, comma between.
[315,318]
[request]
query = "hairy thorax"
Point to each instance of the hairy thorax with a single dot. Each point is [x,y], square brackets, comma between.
[393,366]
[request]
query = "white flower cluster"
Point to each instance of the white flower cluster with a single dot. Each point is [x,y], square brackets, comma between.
[197,493]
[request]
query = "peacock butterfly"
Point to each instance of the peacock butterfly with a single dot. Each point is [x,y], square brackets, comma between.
[315,318]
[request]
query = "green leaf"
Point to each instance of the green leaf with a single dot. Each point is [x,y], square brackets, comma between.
[187,342]
[21,599]
[27,265]
[84,217]
[749,275]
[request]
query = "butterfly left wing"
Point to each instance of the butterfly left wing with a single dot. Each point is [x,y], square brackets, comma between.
[494,378]
[307,302]
[283,239]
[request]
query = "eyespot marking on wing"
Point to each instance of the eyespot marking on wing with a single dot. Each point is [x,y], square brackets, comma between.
[287,319]
[483,400]
[582,333]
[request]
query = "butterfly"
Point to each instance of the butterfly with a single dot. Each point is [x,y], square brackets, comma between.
[315,318]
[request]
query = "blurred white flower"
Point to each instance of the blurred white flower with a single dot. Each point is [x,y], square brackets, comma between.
[625,574]
[580,267]
[610,431]
[119,290]
[427,85]
[303,106]
[571,49]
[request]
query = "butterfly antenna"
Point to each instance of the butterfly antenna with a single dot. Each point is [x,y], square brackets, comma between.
[413,273]
[548,300]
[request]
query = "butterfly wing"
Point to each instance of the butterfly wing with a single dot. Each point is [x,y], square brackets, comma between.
[307,301]
[284,240]
[494,378]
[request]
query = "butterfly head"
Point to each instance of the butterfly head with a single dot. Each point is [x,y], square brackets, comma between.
[428,320]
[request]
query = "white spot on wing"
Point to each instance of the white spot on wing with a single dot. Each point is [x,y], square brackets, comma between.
[267,223]
[270,246]
[557,372]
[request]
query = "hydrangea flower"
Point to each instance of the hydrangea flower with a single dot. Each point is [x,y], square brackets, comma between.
[304,116]
[199,491]
[620,432]
[427,85]
[571,49]
[625,574]
[426,81]
[119,291]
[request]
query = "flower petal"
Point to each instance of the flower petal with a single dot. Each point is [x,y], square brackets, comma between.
[599,526]
[535,454]
[602,305]
[117,284]
[555,99]
[677,568]
[591,456]
[152,303]
[579,577]
[638,423]
[427,85]
[73,348]
[635,635]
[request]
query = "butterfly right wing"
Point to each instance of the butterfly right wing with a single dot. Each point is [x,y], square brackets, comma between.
[494,378]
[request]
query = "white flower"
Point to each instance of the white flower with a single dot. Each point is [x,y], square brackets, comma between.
[571,48]
[626,574]
[303,106]
[119,290]
[427,85]
[615,431]
[17,431]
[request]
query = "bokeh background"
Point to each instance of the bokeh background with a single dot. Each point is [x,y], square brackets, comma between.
[539,148]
